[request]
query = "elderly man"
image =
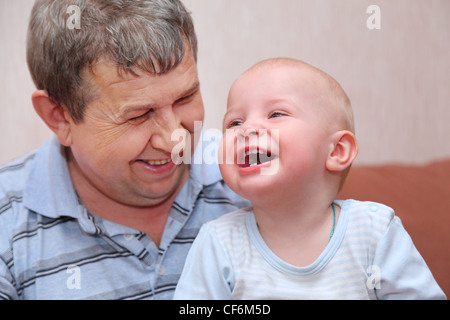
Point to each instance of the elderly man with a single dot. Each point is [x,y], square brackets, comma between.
[101,211]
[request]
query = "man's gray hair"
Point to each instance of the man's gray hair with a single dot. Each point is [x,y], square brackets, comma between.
[149,35]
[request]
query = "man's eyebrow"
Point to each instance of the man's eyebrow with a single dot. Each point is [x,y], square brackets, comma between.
[190,91]
[145,107]
[134,108]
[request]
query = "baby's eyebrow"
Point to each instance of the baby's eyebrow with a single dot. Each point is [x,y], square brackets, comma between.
[230,114]
[227,113]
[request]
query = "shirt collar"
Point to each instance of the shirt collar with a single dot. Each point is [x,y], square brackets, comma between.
[49,190]
[204,163]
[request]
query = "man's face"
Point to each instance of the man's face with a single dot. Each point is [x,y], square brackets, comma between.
[123,146]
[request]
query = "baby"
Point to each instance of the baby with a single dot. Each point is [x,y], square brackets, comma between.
[288,145]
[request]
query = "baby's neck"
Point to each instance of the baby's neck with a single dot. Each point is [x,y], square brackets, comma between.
[297,234]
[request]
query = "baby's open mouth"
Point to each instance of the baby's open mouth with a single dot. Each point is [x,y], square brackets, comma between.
[255,157]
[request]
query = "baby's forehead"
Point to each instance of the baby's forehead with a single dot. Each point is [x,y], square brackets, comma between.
[277,78]
[289,65]
[284,70]
[321,90]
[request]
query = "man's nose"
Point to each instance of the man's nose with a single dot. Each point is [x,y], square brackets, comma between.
[164,124]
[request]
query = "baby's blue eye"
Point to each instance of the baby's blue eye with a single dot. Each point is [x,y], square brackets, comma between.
[234,123]
[276,115]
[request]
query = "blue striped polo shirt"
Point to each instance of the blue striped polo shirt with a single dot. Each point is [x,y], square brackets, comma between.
[51,247]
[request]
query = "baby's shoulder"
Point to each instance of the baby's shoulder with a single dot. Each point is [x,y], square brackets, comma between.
[368,216]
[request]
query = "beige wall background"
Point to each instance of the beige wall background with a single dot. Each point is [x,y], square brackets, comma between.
[397,77]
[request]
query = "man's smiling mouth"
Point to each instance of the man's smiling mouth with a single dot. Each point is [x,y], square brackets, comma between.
[156,162]
[160,167]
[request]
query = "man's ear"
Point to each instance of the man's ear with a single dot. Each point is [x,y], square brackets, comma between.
[53,115]
[343,151]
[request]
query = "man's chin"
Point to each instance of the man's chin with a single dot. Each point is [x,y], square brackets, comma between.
[158,192]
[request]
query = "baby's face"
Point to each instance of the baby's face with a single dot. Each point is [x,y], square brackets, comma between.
[274,137]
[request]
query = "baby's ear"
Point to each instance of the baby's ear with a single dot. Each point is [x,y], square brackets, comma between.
[343,150]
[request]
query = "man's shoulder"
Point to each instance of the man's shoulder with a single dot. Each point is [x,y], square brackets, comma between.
[18,176]
[13,181]
[14,174]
